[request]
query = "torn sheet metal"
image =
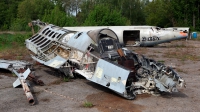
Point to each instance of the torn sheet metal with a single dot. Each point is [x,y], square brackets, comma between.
[9,64]
[99,57]
[56,62]
[114,78]
[79,42]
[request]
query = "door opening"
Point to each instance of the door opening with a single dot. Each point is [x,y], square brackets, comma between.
[131,36]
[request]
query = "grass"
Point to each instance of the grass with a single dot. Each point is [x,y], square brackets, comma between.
[66,79]
[9,40]
[182,55]
[12,46]
[182,45]
[161,61]
[88,104]
[14,75]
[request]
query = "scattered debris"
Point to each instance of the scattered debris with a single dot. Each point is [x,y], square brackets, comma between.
[21,69]
[32,77]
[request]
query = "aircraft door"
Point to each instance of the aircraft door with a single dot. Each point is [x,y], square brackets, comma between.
[131,36]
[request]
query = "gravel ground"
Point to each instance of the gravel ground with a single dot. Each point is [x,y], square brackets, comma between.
[60,96]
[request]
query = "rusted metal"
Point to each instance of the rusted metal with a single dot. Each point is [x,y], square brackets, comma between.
[32,77]
[21,80]
[27,92]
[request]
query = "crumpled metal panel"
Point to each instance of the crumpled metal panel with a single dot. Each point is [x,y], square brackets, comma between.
[98,56]
[110,75]
[4,65]
[80,41]
[166,79]
[9,65]
[56,62]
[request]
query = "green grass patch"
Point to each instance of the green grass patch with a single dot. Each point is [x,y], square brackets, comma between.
[8,41]
[88,104]
[161,61]
[12,45]
[182,55]
[66,79]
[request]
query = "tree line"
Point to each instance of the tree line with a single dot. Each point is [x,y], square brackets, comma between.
[16,14]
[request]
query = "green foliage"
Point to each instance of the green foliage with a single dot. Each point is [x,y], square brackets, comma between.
[103,16]
[16,14]
[66,79]
[157,14]
[34,9]
[133,10]
[20,25]
[86,7]
[88,104]
[58,17]
[9,40]
[8,12]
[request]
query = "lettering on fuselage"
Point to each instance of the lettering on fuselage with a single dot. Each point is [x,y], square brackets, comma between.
[154,38]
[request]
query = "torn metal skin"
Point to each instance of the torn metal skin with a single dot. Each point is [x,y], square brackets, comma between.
[99,57]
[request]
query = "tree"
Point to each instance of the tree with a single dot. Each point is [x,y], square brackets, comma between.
[186,13]
[72,7]
[157,13]
[103,16]
[58,17]
[86,7]
[8,12]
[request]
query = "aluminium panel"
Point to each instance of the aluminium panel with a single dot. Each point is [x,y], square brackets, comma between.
[80,41]
[111,76]
[56,62]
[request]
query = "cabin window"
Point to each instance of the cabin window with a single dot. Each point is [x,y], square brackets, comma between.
[33,36]
[51,34]
[45,30]
[78,35]
[48,32]
[54,35]
[58,36]
[36,38]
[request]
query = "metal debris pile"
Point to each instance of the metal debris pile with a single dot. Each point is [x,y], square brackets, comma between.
[99,57]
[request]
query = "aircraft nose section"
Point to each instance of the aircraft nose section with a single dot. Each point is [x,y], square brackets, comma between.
[181,35]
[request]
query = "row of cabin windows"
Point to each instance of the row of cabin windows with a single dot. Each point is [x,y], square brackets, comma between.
[42,41]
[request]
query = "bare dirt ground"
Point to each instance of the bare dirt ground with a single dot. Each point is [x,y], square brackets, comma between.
[60,96]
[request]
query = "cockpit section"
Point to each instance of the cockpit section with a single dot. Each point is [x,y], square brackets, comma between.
[106,43]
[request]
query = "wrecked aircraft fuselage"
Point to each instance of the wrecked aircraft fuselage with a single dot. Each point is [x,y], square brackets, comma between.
[98,56]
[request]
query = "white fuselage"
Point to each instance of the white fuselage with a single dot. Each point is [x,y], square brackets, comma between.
[140,35]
